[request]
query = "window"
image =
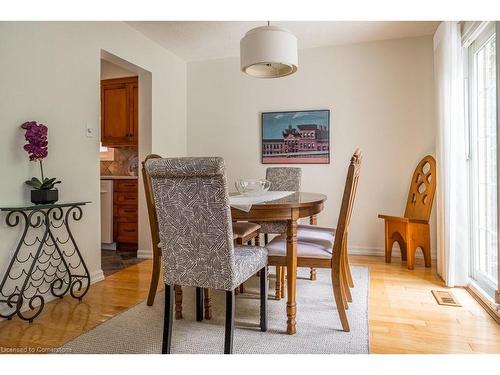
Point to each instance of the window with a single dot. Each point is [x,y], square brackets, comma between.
[483,159]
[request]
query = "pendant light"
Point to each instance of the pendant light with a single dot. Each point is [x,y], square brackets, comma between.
[268,52]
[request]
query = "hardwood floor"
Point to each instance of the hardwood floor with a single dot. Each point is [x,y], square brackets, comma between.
[403,315]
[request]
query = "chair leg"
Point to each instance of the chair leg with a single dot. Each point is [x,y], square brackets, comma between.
[155,276]
[388,244]
[229,329]
[264,286]
[242,288]
[411,257]
[312,275]
[410,248]
[427,248]
[167,320]
[337,292]
[350,281]
[266,238]
[345,283]
[257,240]
[279,271]
[178,301]
[283,282]
[345,304]
[207,303]
[199,304]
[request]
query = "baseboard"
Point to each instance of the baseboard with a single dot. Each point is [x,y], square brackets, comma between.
[358,250]
[371,251]
[491,308]
[95,277]
[145,254]
[380,252]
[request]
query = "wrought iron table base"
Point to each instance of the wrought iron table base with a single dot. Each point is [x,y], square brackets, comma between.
[42,262]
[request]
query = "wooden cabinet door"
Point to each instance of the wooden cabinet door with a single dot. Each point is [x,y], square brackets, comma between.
[119,112]
[134,113]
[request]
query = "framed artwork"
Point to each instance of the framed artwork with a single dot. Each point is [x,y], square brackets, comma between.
[296,137]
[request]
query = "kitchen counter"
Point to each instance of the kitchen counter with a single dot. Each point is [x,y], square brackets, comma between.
[118,177]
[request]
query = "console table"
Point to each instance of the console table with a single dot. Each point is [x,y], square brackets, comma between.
[45,259]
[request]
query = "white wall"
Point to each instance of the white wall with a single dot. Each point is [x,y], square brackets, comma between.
[381,98]
[110,71]
[50,72]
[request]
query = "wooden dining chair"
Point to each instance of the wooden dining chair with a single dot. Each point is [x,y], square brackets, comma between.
[413,231]
[194,223]
[326,247]
[243,232]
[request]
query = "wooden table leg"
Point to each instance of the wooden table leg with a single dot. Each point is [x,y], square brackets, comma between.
[291,262]
[313,220]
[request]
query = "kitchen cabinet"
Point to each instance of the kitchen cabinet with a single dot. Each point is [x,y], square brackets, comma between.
[125,214]
[119,112]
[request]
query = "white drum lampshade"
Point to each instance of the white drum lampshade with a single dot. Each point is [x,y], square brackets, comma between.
[268,52]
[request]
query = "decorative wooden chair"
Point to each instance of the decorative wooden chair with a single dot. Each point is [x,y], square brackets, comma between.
[326,247]
[412,231]
[243,232]
[195,228]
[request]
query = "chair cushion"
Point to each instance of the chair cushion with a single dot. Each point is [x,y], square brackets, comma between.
[248,260]
[272,227]
[306,231]
[312,242]
[243,229]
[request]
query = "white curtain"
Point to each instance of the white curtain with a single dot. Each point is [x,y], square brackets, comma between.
[451,203]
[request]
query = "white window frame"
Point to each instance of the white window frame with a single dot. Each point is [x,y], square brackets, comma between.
[497,27]
[478,34]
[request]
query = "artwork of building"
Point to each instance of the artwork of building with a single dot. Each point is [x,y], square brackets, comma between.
[303,138]
[296,137]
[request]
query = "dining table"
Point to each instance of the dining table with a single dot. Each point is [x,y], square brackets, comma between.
[290,208]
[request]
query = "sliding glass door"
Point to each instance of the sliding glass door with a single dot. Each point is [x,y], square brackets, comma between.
[483,159]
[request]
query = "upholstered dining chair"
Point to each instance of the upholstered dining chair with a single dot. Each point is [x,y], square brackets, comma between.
[326,247]
[196,237]
[242,233]
[413,230]
[282,179]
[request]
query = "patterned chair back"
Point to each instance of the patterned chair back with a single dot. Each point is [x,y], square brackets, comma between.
[194,220]
[284,178]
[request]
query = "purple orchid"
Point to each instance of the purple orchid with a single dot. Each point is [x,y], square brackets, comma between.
[37,149]
[36,135]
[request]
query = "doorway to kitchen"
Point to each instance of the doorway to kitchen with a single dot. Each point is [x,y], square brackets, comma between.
[122,127]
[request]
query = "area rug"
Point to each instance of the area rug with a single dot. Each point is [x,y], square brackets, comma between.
[139,329]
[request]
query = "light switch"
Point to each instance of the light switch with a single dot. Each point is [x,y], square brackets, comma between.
[89,131]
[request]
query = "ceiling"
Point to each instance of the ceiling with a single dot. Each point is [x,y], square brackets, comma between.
[202,40]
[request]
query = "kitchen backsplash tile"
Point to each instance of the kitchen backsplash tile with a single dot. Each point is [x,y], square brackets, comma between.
[126,160]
